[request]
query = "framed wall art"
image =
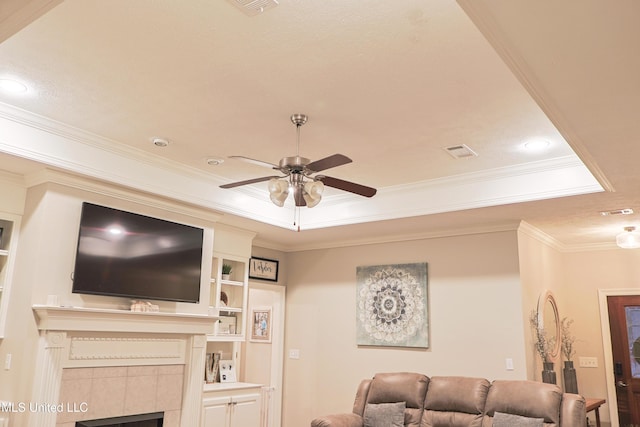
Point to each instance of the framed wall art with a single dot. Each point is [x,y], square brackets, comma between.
[392,305]
[260,324]
[263,269]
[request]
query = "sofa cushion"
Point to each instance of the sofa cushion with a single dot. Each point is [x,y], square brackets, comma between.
[500,419]
[384,414]
[455,402]
[526,398]
[399,387]
[407,387]
[457,394]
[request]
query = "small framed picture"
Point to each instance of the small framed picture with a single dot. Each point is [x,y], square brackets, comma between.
[263,269]
[227,371]
[261,324]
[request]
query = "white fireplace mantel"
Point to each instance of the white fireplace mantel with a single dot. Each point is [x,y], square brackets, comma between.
[74,337]
[80,319]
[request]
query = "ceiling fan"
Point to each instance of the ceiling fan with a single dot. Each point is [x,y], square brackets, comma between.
[298,176]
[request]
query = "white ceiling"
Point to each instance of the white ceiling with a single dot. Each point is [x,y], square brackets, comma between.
[389,84]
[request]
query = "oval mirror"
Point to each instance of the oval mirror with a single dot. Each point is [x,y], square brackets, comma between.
[549,319]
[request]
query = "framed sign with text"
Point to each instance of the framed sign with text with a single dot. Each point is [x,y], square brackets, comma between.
[263,269]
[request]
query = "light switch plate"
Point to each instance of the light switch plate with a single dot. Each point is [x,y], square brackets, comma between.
[509,364]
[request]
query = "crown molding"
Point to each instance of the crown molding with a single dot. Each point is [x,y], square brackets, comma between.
[78,152]
[480,15]
[49,176]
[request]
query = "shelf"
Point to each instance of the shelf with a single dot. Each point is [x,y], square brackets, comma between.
[4,252]
[222,310]
[229,386]
[225,338]
[231,283]
[228,297]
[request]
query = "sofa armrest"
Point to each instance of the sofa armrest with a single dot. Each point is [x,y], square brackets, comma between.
[338,420]
[573,412]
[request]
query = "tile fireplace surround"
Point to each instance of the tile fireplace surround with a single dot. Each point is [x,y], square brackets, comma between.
[99,363]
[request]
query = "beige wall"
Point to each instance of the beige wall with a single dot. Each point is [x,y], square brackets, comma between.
[475,313]
[541,269]
[576,279]
[586,274]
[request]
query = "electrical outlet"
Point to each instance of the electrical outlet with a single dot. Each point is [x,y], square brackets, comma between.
[588,362]
[7,362]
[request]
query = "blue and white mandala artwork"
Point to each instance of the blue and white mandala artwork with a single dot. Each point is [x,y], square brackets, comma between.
[392,305]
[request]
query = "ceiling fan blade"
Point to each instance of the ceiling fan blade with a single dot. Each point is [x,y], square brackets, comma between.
[255,162]
[351,187]
[248,181]
[329,162]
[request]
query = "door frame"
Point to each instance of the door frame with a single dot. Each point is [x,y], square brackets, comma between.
[608,352]
[277,343]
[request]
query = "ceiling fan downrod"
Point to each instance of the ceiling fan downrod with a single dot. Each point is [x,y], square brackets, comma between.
[298,120]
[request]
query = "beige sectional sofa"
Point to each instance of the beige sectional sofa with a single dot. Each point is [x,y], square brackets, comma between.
[457,402]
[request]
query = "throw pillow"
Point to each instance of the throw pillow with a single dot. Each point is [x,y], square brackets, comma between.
[384,414]
[501,419]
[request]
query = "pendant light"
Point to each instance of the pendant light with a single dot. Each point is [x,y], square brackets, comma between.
[629,239]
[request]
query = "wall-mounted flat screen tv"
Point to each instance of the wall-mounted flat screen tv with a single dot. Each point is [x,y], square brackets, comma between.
[135,256]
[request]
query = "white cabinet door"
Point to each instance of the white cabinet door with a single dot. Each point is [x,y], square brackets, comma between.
[216,412]
[246,410]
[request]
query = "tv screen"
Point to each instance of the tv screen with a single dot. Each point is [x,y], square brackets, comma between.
[135,256]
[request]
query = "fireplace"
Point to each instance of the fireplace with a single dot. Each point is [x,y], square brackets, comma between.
[140,420]
[106,364]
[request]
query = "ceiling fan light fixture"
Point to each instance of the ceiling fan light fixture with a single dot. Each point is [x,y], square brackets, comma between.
[278,191]
[298,176]
[312,193]
[629,239]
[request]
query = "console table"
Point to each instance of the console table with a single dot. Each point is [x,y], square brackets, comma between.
[593,404]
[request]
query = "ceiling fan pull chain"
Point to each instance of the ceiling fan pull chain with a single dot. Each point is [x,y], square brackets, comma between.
[296,218]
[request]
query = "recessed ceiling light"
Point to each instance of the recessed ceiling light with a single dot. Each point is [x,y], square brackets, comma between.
[536,145]
[160,142]
[214,161]
[13,87]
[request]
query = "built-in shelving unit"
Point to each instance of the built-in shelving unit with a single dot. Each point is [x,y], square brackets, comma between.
[9,226]
[228,301]
[229,297]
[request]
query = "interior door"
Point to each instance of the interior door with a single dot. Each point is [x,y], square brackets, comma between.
[264,360]
[624,324]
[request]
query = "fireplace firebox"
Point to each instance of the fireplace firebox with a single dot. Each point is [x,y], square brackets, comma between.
[153,419]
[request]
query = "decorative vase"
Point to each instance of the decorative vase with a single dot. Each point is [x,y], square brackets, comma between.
[570,380]
[548,373]
[208,368]
[226,276]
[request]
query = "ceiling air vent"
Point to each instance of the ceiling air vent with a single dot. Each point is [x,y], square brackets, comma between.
[254,7]
[626,211]
[460,151]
